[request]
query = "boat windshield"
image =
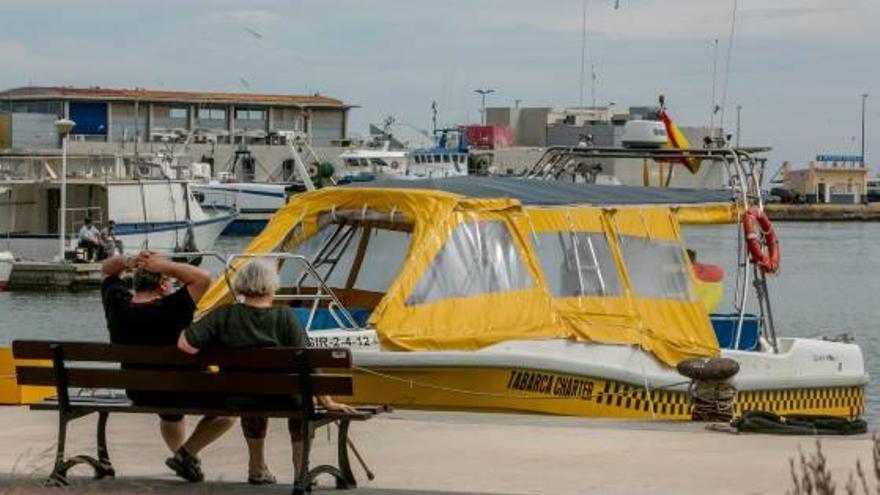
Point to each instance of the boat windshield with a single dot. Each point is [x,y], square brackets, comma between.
[358,258]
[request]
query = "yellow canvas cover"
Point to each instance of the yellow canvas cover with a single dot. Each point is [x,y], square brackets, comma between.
[673,330]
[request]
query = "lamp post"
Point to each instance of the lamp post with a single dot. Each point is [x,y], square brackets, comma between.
[864,101]
[63,126]
[483,93]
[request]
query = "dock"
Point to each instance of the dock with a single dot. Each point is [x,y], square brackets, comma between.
[421,452]
[46,275]
[823,213]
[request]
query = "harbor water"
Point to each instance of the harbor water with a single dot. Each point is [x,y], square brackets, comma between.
[828,285]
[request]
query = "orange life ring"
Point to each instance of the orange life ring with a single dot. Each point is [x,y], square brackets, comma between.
[766,255]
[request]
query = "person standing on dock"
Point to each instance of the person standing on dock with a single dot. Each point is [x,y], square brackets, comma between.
[155,315]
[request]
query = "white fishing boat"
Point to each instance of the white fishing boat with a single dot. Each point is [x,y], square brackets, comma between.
[149,213]
[518,294]
[373,161]
[236,187]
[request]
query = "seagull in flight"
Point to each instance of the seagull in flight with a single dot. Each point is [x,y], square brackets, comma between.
[252,32]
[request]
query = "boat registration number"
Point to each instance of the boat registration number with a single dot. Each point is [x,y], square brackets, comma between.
[343,341]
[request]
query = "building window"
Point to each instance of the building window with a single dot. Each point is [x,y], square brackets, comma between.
[178,113]
[250,115]
[212,114]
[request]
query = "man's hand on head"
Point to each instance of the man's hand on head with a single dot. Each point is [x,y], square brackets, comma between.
[151,262]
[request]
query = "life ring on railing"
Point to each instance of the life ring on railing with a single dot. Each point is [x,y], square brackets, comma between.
[766,255]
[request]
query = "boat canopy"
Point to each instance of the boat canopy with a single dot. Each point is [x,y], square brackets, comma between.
[692,206]
[478,270]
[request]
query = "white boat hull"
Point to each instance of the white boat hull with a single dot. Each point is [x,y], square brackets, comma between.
[586,379]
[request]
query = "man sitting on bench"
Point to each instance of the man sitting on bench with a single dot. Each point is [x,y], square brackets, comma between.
[154,315]
[256,323]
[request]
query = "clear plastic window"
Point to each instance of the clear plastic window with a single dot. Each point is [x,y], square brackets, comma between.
[577,264]
[478,258]
[385,252]
[656,269]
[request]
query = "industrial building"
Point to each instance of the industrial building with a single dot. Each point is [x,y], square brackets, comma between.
[127,122]
[835,179]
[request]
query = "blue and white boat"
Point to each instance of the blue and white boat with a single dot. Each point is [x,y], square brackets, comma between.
[447,158]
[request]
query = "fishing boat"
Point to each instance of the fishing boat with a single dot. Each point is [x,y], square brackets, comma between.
[149,212]
[371,162]
[529,295]
[448,157]
[236,188]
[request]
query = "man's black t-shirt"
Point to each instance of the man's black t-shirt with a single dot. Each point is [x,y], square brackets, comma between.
[157,322]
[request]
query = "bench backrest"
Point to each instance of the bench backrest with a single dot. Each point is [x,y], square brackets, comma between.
[275,371]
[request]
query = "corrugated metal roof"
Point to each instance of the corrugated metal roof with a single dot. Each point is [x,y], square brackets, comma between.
[96,93]
[555,193]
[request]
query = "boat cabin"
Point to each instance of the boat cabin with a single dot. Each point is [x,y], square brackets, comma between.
[465,263]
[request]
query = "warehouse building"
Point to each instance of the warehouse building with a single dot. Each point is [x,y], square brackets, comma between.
[139,115]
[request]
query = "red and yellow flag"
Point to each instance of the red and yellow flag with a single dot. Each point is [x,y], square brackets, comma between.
[675,139]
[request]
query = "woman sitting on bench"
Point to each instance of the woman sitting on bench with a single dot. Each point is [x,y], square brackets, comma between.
[256,323]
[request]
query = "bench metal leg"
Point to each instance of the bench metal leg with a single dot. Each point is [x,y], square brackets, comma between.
[342,455]
[101,466]
[342,474]
[105,469]
[59,471]
[303,482]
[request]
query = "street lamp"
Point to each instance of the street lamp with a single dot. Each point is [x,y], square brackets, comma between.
[63,126]
[483,93]
[864,100]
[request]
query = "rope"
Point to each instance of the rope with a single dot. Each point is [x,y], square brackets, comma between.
[415,383]
[713,400]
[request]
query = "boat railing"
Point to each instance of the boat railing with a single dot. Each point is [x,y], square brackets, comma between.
[745,173]
[323,293]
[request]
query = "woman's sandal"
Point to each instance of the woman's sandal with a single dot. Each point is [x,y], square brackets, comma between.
[264,477]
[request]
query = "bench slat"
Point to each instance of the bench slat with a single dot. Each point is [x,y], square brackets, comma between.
[125,406]
[258,358]
[194,381]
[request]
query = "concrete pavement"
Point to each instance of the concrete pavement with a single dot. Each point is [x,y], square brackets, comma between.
[446,453]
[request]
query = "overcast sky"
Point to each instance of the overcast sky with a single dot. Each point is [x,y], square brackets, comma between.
[798,67]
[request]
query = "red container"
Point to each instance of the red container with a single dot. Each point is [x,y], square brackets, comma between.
[488,137]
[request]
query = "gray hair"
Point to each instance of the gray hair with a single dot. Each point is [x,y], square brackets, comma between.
[257,278]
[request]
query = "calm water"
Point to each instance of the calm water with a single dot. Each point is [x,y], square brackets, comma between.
[829,284]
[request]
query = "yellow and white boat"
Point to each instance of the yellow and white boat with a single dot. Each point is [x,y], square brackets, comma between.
[516,294]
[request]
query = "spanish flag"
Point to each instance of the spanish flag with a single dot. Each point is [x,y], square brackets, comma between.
[675,139]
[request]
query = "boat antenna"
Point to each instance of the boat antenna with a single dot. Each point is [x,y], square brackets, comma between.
[713,106]
[584,56]
[727,62]
[434,115]
[583,51]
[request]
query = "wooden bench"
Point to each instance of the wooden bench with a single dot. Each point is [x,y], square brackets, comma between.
[293,372]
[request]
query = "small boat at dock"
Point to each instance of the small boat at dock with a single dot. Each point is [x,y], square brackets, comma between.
[542,296]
